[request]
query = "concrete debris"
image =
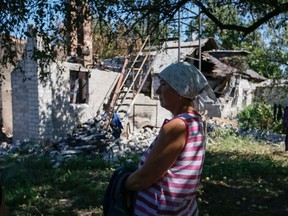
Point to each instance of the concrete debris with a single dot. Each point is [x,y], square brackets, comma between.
[90,140]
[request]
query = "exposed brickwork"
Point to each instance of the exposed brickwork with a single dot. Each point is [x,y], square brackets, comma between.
[42,110]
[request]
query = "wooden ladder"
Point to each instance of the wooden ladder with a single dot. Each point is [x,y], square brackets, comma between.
[118,101]
[137,77]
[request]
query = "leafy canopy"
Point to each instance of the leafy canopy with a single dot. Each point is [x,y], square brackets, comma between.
[236,19]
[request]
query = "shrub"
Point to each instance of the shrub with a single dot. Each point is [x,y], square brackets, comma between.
[258,116]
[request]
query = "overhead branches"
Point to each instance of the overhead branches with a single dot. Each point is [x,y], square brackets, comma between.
[274,11]
[50,17]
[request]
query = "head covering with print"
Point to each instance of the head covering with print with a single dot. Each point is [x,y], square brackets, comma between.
[184,78]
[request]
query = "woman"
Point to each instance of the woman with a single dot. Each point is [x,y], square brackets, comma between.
[169,171]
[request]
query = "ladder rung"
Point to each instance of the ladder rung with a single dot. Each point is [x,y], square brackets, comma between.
[125,91]
[124,104]
[135,69]
[122,111]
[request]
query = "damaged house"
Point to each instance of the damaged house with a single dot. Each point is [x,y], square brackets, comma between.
[70,95]
[75,92]
[232,84]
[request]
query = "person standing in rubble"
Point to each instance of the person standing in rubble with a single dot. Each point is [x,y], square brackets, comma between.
[168,173]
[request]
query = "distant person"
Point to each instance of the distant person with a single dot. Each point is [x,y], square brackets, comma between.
[116,126]
[168,173]
[285,123]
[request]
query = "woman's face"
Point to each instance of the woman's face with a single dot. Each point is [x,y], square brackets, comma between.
[167,95]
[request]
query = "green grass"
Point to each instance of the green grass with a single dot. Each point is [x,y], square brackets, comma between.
[240,177]
[33,187]
[243,177]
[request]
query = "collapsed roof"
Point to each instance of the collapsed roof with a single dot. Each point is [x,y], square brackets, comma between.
[229,62]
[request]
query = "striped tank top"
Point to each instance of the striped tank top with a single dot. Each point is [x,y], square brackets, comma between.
[175,192]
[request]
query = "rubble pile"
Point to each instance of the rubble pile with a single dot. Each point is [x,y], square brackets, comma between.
[89,139]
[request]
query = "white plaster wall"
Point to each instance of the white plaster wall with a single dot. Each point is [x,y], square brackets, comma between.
[6,104]
[271,92]
[65,115]
[25,106]
[147,112]
[246,92]
[232,106]
[45,109]
[42,110]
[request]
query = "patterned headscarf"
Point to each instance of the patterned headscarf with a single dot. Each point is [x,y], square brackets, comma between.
[184,78]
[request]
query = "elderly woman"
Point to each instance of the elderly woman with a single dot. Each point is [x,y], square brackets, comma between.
[169,171]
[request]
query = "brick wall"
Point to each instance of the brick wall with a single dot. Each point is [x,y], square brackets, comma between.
[42,110]
[25,103]
[66,115]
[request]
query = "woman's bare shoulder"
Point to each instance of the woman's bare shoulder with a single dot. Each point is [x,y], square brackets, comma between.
[174,127]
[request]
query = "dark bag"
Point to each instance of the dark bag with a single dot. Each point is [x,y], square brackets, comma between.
[115,198]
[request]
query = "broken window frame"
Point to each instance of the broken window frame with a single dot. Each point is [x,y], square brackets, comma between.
[79,84]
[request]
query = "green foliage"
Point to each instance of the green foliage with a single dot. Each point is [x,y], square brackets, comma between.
[228,21]
[220,133]
[253,175]
[129,160]
[258,116]
[264,60]
[267,45]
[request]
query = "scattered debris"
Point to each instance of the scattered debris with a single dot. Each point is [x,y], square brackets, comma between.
[90,140]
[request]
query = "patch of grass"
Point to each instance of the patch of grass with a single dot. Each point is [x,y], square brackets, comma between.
[240,177]
[244,177]
[33,187]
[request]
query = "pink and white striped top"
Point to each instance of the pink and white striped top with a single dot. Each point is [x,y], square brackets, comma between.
[175,193]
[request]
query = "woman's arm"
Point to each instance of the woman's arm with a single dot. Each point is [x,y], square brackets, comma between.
[170,142]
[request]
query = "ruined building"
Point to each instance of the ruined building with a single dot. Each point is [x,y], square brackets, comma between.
[77,90]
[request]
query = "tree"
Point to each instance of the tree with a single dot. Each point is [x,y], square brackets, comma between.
[51,21]
[267,44]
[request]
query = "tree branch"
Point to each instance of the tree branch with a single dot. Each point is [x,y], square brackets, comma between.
[246,30]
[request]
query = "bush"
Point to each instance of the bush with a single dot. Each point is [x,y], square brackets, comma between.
[258,116]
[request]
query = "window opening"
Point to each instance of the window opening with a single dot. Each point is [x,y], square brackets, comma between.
[245,96]
[78,87]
